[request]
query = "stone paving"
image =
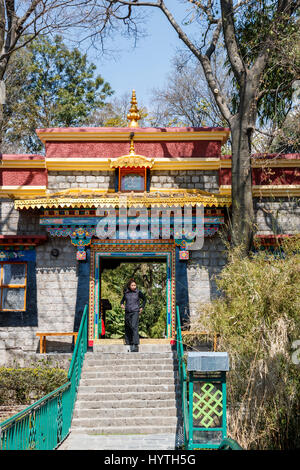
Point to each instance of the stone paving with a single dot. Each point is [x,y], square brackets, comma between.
[121,442]
[127,401]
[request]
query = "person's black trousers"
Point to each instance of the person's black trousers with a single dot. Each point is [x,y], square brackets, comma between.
[132,328]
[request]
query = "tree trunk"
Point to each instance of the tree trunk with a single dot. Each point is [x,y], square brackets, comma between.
[241,185]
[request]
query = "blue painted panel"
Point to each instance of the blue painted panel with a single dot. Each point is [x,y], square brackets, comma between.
[17,255]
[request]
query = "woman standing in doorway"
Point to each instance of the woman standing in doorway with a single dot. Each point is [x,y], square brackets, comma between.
[131,303]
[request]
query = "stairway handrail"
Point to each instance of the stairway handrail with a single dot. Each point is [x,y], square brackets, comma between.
[46,423]
[182,377]
[229,444]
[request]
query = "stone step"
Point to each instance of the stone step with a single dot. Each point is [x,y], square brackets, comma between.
[128,421]
[131,358]
[116,381]
[112,352]
[109,388]
[83,441]
[158,395]
[138,403]
[129,374]
[131,429]
[147,363]
[143,348]
[130,365]
[113,413]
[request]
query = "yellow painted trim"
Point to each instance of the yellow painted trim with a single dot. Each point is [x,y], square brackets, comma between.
[276,190]
[225,190]
[267,190]
[280,163]
[21,191]
[225,163]
[79,191]
[93,135]
[96,164]
[26,164]
[104,164]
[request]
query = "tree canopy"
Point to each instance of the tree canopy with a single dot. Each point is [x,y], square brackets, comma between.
[252,34]
[50,85]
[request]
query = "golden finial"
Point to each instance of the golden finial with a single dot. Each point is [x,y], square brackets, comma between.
[131,150]
[133,116]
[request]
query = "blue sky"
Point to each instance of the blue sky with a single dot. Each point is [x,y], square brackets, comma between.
[145,66]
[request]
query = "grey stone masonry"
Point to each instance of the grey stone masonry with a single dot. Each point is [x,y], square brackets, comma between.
[203,267]
[185,179]
[57,281]
[13,222]
[55,294]
[127,394]
[278,216]
[60,180]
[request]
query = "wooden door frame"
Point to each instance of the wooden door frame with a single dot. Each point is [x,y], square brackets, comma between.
[132,249]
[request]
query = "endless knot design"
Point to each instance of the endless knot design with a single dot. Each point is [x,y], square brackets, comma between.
[207,404]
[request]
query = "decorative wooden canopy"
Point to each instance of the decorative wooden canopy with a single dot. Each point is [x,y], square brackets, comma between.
[92,198]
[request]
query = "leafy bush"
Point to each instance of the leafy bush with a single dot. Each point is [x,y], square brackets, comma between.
[258,318]
[24,385]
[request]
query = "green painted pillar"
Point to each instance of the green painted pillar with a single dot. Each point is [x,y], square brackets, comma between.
[207,399]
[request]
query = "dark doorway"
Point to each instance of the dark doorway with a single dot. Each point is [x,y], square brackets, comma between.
[150,275]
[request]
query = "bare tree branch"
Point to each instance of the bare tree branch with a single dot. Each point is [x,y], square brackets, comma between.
[236,61]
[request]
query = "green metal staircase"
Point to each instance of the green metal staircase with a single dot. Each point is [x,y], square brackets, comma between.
[46,424]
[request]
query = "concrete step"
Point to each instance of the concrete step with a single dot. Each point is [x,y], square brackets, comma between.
[131,355]
[78,441]
[117,395]
[133,358]
[138,403]
[126,371]
[116,381]
[113,413]
[102,388]
[123,348]
[119,430]
[129,365]
[125,421]
[129,374]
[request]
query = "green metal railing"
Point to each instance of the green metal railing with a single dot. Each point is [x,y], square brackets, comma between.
[183,379]
[46,423]
[203,400]
[229,444]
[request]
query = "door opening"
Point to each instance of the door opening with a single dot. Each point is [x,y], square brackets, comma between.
[150,275]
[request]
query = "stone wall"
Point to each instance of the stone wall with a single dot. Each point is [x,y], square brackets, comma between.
[202,268]
[278,216]
[185,179]
[13,222]
[58,286]
[52,297]
[60,180]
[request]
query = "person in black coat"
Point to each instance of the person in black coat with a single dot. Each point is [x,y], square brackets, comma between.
[131,303]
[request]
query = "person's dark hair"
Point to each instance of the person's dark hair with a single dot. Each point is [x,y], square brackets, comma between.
[130,282]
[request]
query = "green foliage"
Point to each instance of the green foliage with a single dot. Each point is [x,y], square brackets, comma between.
[58,88]
[258,318]
[252,30]
[288,138]
[151,280]
[28,384]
